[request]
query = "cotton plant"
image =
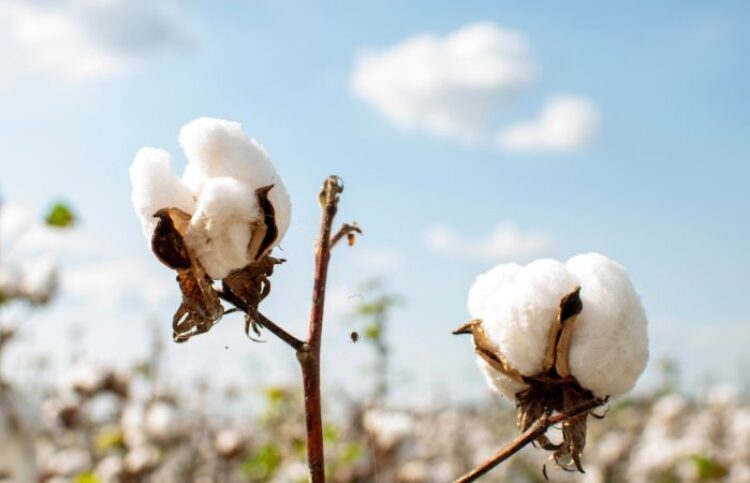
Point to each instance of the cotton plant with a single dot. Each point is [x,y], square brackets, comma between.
[552,336]
[218,222]
[217,225]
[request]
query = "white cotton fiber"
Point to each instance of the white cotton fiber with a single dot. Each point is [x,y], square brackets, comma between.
[609,348]
[217,148]
[220,229]
[155,186]
[609,345]
[218,189]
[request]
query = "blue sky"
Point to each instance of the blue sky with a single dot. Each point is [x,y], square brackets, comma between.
[657,181]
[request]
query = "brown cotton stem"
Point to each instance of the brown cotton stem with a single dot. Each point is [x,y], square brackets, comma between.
[267,323]
[347,230]
[309,355]
[537,429]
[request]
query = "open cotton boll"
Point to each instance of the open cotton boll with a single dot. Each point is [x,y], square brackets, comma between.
[155,186]
[221,226]
[609,347]
[518,305]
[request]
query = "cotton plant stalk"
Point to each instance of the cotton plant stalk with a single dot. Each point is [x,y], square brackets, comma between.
[217,225]
[558,338]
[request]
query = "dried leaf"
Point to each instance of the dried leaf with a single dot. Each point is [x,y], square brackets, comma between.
[200,308]
[574,429]
[249,286]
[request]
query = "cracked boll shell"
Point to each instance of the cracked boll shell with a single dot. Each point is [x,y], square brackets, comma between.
[518,304]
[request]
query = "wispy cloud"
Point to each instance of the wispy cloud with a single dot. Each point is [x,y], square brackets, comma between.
[82,40]
[506,241]
[379,260]
[458,85]
[445,85]
[112,283]
[565,123]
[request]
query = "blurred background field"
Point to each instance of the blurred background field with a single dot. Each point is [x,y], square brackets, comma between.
[466,134]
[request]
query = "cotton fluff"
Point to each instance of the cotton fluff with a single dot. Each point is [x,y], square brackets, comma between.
[218,189]
[518,305]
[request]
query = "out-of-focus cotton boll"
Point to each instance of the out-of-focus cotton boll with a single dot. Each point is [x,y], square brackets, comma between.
[87,378]
[132,424]
[388,427]
[41,280]
[221,226]
[162,422]
[229,442]
[110,469]
[155,186]
[140,459]
[518,305]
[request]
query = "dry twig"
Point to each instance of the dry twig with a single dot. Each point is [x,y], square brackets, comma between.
[537,429]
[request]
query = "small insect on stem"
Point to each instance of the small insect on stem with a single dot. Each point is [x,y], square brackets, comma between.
[355,337]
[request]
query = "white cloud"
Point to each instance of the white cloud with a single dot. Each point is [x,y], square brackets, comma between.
[379,260]
[565,123]
[505,242]
[445,85]
[112,283]
[81,40]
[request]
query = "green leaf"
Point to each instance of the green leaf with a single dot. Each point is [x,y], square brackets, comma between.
[330,433]
[275,395]
[263,463]
[372,331]
[708,469]
[87,477]
[60,216]
[351,453]
[109,438]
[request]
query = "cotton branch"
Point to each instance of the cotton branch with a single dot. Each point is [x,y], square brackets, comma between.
[347,230]
[264,321]
[537,429]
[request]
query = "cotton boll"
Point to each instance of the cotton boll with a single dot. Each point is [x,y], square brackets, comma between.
[609,347]
[221,227]
[518,305]
[155,186]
